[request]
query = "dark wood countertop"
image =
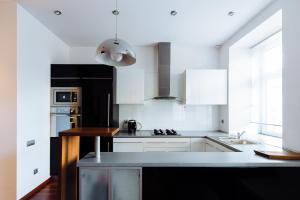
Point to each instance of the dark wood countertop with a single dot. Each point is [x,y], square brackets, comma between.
[89,131]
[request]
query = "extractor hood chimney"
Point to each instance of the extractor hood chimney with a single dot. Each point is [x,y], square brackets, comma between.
[164,71]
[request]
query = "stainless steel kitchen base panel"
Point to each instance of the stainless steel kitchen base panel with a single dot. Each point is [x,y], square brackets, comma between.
[110,183]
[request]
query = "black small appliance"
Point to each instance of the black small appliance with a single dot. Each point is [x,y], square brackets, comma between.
[132,126]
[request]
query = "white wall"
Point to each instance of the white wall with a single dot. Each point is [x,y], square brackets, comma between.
[165,114]
[291,80]
[8,99]
[37,49]
[291,60]
[239,92]
[82,55]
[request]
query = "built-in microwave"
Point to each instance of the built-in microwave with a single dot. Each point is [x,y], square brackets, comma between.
[65,96]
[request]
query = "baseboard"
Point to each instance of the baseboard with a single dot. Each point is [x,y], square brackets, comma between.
[35,190]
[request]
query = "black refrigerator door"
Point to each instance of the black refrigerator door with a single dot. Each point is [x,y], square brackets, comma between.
[96,111]
[96,102]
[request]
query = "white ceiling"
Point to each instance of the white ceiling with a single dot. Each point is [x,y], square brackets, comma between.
[143,22]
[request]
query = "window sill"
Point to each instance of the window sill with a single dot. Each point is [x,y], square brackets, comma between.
[265,139]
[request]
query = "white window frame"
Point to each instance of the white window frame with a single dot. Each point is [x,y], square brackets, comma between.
[261,124]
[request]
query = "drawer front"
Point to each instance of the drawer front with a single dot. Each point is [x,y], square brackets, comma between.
[163,140]
[211,148]
[201,140]
[165,149]
[128,147]
[198,147]
[218,146]
[167,145]
[224,149]
[128,140]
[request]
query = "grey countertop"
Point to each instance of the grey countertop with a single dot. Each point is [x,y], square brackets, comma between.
[243,157]
[182,159]
[246,148]
[149,133]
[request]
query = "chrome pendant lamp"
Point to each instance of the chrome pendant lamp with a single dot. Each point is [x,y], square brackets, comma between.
[115,52]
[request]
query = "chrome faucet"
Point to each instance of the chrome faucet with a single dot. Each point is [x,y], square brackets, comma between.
[240,134]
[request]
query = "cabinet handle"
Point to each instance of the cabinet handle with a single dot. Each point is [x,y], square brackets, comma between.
[108,147]
[95,78]
[60,114]
[108,108]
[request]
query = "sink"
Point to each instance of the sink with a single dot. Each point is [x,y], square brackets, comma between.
[237,141]
[242,142]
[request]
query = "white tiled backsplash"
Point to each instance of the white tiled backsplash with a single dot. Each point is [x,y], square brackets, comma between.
[171,114]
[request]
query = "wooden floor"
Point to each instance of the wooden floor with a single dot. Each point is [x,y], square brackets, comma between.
[49,192]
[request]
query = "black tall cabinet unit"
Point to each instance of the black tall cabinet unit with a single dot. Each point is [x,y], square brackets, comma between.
[97,94]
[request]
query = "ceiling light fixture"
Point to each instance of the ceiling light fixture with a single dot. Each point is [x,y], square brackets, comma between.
[231,13]
[57,12]
[173,13]
[115,52]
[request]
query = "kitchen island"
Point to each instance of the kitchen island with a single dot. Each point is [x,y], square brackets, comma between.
[187,175]
[239,174]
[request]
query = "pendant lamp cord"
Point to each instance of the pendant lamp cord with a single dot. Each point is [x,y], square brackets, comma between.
[117,19]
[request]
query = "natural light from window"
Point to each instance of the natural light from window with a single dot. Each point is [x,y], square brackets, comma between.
[266,112]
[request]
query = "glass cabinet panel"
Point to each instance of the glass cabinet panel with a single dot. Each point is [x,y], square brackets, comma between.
[126,184]
[110,183]
[94,184]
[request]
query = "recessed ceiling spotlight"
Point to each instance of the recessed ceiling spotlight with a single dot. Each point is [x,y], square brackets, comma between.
[115,12]
[231,13]
[173,12]
[57,12]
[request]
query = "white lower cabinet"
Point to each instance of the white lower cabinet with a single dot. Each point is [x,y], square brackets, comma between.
[165,149]
[167,145]
[211,146]
[152,144]
[198,144]
[128,147]
[110,183]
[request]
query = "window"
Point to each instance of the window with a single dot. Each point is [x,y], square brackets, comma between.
[267,86]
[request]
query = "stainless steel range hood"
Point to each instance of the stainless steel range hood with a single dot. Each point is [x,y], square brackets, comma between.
[164,71]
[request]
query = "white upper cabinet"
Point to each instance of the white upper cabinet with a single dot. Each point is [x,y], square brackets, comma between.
[129,86]
[206,87]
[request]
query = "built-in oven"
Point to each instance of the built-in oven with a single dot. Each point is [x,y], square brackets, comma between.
[65,96]
[64,118]
[65,113]
[61,118]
